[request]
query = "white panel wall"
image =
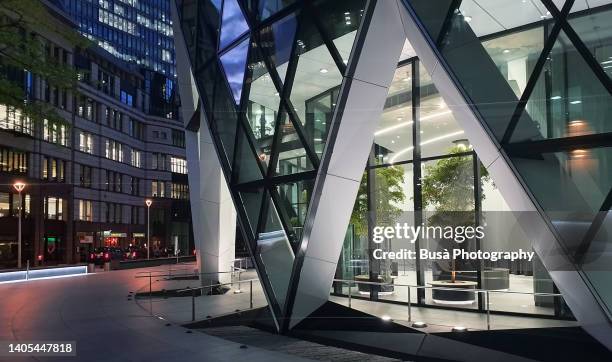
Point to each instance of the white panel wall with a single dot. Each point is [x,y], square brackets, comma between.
[342,168]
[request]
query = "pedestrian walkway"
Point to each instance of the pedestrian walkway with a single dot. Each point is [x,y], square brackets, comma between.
[95,311]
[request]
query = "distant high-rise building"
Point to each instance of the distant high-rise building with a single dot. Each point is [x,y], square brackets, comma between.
[137,31]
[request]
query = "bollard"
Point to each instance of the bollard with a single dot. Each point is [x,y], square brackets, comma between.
[251,293]
[349,294]
[107,266]
[193,305]
[409,309]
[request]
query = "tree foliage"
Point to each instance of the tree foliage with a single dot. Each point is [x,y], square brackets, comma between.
[448,185]
[21,49]
[389,193]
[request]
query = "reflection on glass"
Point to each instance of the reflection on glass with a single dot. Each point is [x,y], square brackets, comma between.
[393,136]
[233,23]
[252,200]
[271,7]
[275,252]
[594,30]
[575,103]
[515,55]
[316,78]
[234,64]
[246,168]
[440,134]
[262,108]
[295,198]
[277,41]
[292,157]
[341,20]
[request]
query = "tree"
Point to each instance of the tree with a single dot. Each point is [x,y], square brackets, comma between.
[21,50]
[388,183]
[449,188]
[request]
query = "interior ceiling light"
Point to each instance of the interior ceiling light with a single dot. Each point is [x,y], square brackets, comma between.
[467,18]
[506,51]
[575,102]
[406,124]
[554,98]
[323,70]
[426,142]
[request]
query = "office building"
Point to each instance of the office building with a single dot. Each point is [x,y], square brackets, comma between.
[87,178]
[321,120]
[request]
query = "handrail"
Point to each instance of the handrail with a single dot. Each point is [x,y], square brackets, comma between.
[445,288]
[215,285]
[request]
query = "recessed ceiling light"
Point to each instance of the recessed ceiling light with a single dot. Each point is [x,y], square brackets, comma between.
[459,329]
[385,317]
[348,23]
[506,51]
[554,98]
[399,118]
[323,70]
[317,120]
[276,94]
[575,102]
[392,141]
[467,18]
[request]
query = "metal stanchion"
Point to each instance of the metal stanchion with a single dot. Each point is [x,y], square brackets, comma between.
[488,312]
[193,305]
[251,293]
[349,294]
[409,308]
[150,296]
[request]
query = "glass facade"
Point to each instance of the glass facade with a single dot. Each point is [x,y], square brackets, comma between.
[134,31]
[269,77]
[440,178]
[538,76]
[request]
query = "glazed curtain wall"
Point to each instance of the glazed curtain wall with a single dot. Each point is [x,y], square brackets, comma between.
[268,73]
[548,109]
[397,188]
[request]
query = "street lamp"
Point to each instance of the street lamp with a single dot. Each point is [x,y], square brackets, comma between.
[148,202]
[19,186]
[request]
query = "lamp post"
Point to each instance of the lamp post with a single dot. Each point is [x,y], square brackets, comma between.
[19,186]
[148,202]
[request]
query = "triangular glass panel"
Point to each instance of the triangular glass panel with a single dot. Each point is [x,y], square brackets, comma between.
[275,252]
[205,28]
[262,105]
[277,41]
[246,166]
[315,85]
[224,118]
[291,156]
[268,8]
[233,23]
[515,56]
[252,199]
[594,30]
[341,20]
[234,64]
[568,100]
[294,200]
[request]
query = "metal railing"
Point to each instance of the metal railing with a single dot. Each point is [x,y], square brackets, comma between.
[210,287]
[235,278]
[409,287]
